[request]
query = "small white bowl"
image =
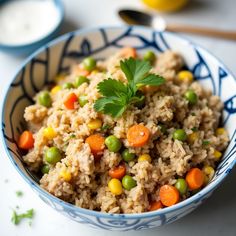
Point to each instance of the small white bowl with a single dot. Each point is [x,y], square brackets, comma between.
[24,49]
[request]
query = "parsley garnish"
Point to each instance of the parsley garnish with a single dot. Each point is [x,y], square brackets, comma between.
[16,218]
[194,129]
[105,127]
[19,193]
[117,96]
[205,142]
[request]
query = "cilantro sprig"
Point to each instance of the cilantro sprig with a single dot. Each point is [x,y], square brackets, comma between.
[19,193]
[118,96]
[16,218]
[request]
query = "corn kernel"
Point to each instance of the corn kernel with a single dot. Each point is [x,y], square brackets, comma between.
[217,154]
[49,133]
[95,124]
[208,170]
[55,89]
[220,131]
[65,174]
[185,76]
[209,173]
[94,72]
[145,157]
[193,137]
[115,186]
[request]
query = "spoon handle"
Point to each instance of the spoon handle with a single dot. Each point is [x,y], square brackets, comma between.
[202,31]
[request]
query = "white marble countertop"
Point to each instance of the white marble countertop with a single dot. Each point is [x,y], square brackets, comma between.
[217,216]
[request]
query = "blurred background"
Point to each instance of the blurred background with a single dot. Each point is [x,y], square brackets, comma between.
[216,14]
[217,216]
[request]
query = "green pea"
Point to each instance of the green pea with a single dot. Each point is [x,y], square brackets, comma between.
[67,86]
[45,99]
[191,97]
[128,182]
[83,100]
[113,143]
[180,134]
[80,80]
[89,63]
[53,155]
[182,186]
[149,56]
[127,156]
[45,169]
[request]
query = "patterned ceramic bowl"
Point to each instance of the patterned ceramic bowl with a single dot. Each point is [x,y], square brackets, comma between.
[39,69]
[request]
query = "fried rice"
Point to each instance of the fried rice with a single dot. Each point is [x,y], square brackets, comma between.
[87,185]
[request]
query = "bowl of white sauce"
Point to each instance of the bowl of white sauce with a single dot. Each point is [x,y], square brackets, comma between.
[25,25]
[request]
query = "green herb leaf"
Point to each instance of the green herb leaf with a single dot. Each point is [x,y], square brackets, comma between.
[136,99]
[205,142]
[117,96]
[101,103]
[163,128]
[111,87]
[152,79]
[16,218]
[135,70]
[105,127]
[19,193]
[115,110]
[194,129]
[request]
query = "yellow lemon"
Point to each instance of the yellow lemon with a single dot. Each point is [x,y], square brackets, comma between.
[166,5]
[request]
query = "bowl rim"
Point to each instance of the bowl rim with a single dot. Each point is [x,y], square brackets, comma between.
[198,196]
[60,8]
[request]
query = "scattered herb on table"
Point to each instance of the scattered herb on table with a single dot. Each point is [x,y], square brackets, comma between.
[19,193]
[117,96]
[16,218]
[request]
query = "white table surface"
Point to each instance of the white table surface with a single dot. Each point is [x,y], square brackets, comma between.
[215,217]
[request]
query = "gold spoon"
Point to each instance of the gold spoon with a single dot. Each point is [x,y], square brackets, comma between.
[134,17]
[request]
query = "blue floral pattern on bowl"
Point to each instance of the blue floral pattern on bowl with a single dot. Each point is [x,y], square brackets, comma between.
[56,57]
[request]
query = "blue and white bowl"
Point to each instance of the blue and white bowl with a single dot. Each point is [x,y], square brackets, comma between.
[40,69]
